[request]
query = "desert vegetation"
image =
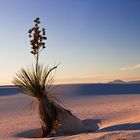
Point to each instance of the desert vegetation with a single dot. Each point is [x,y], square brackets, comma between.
[37,81]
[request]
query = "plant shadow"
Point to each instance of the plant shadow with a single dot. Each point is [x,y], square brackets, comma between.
[37,133]
[121,127]
[32,133]
[92,124]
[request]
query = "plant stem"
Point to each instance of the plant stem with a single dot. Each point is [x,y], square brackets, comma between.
[37,59]
[46,120]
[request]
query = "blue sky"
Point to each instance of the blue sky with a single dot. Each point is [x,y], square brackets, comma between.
[94,40]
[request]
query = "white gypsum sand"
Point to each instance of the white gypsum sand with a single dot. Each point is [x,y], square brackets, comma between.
[118,117]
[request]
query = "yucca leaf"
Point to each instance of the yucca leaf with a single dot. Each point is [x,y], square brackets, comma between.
[34,83]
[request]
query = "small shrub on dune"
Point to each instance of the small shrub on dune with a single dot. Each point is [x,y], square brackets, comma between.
[37,82]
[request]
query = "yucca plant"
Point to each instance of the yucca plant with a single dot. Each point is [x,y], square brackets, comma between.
[37,81]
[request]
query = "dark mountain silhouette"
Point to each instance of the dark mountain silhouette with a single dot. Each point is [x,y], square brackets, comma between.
[118,81]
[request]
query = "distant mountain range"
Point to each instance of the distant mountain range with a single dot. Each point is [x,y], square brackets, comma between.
[118,81]
[134,82]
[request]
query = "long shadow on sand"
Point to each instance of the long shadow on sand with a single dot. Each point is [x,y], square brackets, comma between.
[36,133]
[122,127]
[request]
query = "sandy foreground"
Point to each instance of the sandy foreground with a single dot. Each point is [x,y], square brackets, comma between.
[118,117]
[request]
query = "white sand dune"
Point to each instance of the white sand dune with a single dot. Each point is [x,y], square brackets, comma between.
[118,117]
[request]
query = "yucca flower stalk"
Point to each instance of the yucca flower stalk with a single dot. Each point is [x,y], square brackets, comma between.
[37,80]
[37,39]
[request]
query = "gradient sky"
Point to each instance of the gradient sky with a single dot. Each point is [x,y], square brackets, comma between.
[94,40]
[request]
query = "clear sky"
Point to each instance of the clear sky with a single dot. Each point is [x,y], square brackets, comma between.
[94,40]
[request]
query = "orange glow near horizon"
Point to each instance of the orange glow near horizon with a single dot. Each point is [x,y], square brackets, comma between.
[84,79]
[97,79]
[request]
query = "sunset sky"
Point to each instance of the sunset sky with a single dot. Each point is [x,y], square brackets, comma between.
[93,40]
